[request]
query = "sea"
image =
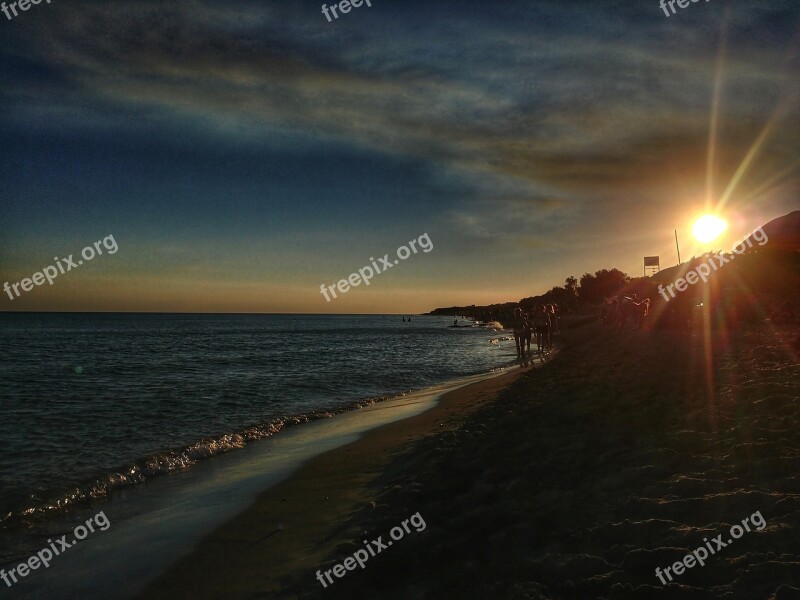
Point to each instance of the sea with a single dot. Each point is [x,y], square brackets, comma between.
[93,404]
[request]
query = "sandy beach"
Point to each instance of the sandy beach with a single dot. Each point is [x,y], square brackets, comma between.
[576,480]
[296,526]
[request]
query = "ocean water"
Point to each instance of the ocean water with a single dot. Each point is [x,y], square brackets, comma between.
[94,403]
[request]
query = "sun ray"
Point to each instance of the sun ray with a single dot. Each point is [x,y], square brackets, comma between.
[784,106]
[769,183]
[752,152]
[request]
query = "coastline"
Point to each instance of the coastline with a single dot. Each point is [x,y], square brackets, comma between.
[153,432]
[294,526]
[157,524]
[579,481]
[592,477]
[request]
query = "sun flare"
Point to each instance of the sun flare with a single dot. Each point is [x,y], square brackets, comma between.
[708,228]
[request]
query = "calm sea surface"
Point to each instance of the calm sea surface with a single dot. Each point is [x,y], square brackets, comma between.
[90,403]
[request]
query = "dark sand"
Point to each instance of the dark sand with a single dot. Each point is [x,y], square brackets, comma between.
[296,526]
[579,480]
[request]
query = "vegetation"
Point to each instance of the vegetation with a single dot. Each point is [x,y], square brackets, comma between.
[749,287]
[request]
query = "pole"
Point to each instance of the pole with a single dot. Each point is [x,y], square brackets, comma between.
[677,246]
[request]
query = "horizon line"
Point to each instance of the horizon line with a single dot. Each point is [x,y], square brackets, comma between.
[144,312]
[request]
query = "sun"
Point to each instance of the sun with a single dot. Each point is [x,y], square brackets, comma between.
[708,228]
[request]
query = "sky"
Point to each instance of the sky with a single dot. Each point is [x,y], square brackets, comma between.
[242,154]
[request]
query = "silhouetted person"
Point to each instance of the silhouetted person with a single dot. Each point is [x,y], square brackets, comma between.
[528,331]
[518,324]
[541,325]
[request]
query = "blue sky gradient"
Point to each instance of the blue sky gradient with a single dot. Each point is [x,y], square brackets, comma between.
[244,153]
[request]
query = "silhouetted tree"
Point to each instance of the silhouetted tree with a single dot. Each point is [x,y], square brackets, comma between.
[571,285]
[600,285]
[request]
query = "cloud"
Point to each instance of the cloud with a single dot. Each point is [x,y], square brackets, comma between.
[538,114]
[239,63]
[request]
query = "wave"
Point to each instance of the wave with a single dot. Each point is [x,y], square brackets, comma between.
[163,463]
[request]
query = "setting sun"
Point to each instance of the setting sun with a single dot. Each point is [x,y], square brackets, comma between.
[708,228]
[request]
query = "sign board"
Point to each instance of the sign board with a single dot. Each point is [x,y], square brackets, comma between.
[651,261]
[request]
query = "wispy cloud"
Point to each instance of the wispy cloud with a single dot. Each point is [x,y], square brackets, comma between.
[537,116]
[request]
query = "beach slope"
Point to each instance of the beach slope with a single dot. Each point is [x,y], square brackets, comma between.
[296,526]
[578,480]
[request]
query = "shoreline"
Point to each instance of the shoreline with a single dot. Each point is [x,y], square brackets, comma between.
[295,525]
[585,477]
[158,524]
[80,495]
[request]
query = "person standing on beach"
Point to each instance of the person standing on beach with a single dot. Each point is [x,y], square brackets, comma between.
[528,330]
[552,327]
[554,317]
[541,324]
[518,324]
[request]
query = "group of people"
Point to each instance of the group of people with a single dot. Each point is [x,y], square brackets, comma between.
[619,310]
[541,321]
